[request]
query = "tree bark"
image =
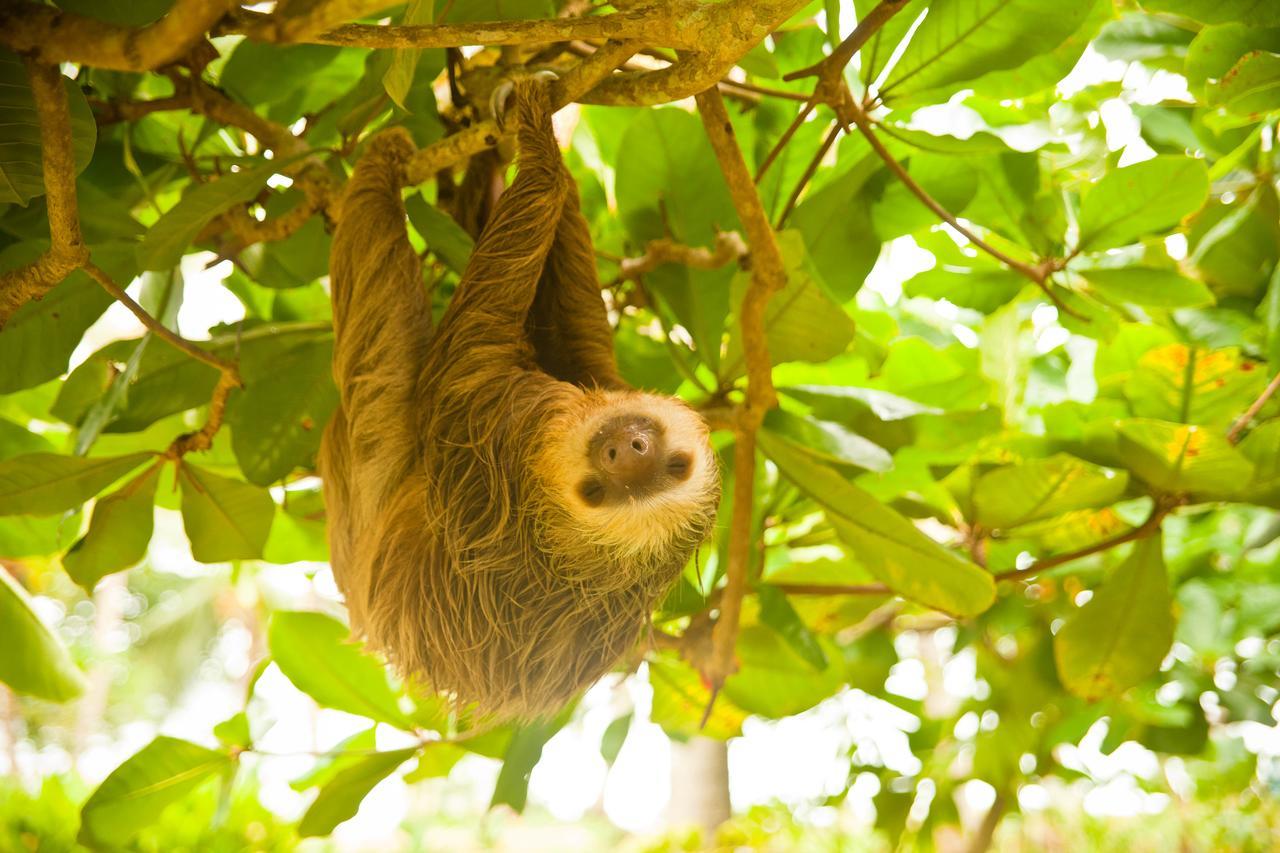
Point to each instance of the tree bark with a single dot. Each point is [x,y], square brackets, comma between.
[699,785]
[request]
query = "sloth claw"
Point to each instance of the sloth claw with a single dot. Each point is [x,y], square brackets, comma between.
[502,95]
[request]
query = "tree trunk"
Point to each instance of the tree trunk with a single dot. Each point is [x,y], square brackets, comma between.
[699,785]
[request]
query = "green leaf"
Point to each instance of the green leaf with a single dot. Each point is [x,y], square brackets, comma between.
[802,323]
[444,236]
[778,614]
[615,735]
[435,761]
[277,421]
[315,652]
[1120,636]
[404,61]
[888,545]
[773,680]
[1252,12]
[118,531]
[234,731]
[21,168]
[170,237]
[827,441]
[1044,488]
[259,73]
[680,698]
[34,661]
[225,519]
[1149,287]
[835,221]
[1251,87]
[512,787]
[133,796]
[980,289]
[1186,384]
[341,796]
[39,338]
[963,39]
[1182,457]
[46,483]
[1138,200]
[1216,49]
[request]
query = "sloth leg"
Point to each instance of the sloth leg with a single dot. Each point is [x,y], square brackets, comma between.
[483,330]
[381,322]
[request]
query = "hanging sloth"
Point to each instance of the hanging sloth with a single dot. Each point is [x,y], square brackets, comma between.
[504,511]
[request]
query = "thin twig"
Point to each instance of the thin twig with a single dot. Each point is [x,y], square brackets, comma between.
[833,65]
[159,329]
[1142,531]
[1237,428]
[809,171]
[783,140]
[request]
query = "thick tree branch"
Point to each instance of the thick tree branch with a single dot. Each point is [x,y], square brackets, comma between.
[654,26]
[571,86]
[67,250]
[768,276]
[52,36]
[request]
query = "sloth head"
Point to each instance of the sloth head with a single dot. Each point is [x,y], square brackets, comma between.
[634,473]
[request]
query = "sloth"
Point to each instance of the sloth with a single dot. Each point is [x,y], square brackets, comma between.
[504,510]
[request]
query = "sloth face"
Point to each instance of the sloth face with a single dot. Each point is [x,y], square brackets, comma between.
[635,471]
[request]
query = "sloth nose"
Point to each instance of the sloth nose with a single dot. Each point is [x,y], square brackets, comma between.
[629,454]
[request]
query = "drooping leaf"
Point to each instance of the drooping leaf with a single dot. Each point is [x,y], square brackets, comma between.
[444,236]
[119,531]
[404,61]
[225,519]
[132,797]
[46,483]
[341,796]
[315,652]
[1122,634]
[34,661]
[891,547]
[523,753]
[1134,201]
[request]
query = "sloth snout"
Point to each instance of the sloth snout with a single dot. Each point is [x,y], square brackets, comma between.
[629,454]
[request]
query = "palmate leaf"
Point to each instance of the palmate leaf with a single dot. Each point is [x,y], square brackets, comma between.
[160,774]
[1122,634]
[33,660]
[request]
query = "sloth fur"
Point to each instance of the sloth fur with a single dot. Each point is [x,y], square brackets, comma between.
[459,464]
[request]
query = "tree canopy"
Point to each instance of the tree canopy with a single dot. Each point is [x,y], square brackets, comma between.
[980,296]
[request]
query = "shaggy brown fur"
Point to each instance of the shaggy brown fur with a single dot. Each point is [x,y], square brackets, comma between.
[453,468]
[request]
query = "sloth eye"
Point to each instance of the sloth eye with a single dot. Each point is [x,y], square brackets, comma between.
[678,465]
[592,492]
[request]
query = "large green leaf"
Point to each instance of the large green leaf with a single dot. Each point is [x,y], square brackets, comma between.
[315,652]
[802,323]
[33,661]
[1044,488]
[887,544]
[1182,458]
[835,221]
[399,76]
[1149,287]
[278,419]
[260,73]
[225,519]
[132,797]
[828,441]
[1134,201]
[680,699]
[1190,385]
[119,531]
[169,238]
[45,483]
[341,796]
[40,336]
[444,236]
[1121,635]
[1251,87]
[1216,49]
[963,39]
[21,169]
[774,680]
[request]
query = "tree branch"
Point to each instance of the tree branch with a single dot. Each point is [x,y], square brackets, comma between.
[1237,428]
[831,69]
[768,277]
[653,25]
[67,250]
[729,247]
[51,36]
